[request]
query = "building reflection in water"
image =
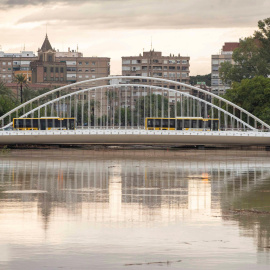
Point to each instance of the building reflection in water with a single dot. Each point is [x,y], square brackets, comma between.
[128,192]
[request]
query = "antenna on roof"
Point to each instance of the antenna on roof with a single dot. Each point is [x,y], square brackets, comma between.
[77,48]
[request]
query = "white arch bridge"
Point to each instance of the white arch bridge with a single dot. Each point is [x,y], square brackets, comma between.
[131,109]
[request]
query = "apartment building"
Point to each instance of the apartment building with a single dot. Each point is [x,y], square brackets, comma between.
[217,86]
[153,64]
[86,68]
[10,63]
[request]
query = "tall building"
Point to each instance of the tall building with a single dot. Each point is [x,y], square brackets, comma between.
[217,86]
[153,64]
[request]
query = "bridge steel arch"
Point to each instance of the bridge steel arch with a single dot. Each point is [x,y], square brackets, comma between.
[234,112]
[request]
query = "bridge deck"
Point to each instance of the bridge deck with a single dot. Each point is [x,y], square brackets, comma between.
[129,136]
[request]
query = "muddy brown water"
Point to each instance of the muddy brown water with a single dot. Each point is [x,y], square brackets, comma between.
[134,209]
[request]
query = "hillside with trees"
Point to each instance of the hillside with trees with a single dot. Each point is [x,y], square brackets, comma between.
[201,78]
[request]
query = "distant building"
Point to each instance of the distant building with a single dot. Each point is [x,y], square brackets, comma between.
[11,63]
[69,53]
[53,68]
[217,86]
[46,69]
[199,94]
[153,64]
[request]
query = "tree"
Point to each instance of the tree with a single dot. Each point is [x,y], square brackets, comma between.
[252,95]
[7,99]
[151,103]
[263,37]
[251,59]
[123,119]
[21,80]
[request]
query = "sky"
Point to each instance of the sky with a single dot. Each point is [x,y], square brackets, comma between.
[116,28]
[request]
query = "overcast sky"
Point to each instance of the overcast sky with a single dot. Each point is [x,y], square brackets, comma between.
[115,28]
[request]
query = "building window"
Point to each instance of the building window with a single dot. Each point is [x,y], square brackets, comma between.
[80,70]
[80,63]
[56,69]
[71,69]
[62,70]
[50,58]
[93,63]
[51,69]
[87,63]
[87,70]
[45,69]
[93,70]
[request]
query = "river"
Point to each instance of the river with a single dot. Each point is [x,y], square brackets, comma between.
[134,209]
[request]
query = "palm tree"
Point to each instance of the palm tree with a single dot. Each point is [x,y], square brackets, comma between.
[21,80]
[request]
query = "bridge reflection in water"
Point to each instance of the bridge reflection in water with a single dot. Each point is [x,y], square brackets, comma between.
[108,190]
[116,191]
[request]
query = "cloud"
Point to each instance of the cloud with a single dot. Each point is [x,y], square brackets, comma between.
[16,3]
[150,14]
